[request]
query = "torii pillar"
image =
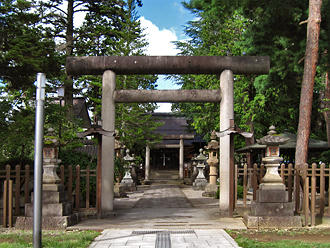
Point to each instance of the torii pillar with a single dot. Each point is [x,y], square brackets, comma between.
[226,114]
[108,143]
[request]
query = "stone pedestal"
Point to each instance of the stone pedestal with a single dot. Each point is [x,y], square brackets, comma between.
[127,184]
[210,190]
[272,209]
[200,181]
[57,211]
[199,184]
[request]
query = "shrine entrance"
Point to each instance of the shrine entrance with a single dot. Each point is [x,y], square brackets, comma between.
[111,66]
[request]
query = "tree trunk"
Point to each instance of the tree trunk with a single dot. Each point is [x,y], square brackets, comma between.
[69,50]
[306,99]
[326,105]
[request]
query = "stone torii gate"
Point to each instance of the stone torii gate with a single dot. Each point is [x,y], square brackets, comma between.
[110,66]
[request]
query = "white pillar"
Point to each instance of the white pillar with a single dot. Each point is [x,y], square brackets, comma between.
[181,158]
[108,143]
[226,113]
[164,159]
[147,164]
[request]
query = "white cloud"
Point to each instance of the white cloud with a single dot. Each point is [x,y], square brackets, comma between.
[159,40]
[163,107]
[160,43]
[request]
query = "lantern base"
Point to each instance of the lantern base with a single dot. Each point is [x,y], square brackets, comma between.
[272,209]
[57,211]
[266,222]
[211,190]
[199,184]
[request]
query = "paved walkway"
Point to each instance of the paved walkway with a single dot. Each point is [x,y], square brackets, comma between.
[164,216]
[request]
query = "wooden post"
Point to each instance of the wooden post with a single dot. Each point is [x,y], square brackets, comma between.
[70,183]
[313,195]
[87,186]
[236,179]
[282,173]
[62,174]
[8,169]
[26,185]
[10,204]
[255,182]
[261,172]
[245,184]
[17,189]
[305,172]
[98,176]
[290,182]
[306,201]
[297,188]
[231,178]
[329,189]
[77,187]
[322,189]
[5,202]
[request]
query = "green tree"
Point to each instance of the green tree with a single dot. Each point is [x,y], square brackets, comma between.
[133,121]
[216,32]
[270,28]
[25,47]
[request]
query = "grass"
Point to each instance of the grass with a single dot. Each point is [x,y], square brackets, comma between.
[53,239]
[282,238]
[248,243]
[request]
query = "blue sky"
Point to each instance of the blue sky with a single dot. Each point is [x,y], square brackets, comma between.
[163,21]
[166,14]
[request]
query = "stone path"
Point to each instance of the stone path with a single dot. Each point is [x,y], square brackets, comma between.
[164,216]
[163,196]
[164,239]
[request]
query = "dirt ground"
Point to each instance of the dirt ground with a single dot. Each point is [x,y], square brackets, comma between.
[320,235]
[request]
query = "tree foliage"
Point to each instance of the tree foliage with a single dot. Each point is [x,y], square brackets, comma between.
[37,36]
[25,47]
[265,28]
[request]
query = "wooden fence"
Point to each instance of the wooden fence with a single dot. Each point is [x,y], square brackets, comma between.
[80,185]
[312,184]
[312,187]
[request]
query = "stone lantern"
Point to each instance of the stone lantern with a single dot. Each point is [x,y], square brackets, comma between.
[51,161]
[200,181]
[127,183]
[195,171]
[57,211]
[213,161]
[272,208]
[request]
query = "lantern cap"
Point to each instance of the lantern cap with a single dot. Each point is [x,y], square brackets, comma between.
[213,144]
[201,157]
[128,157]
[273,139]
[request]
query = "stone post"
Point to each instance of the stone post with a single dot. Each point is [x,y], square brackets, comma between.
[147,166]
[181,158]
[195,171]
[108,143]
[213,161]
[226,114]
